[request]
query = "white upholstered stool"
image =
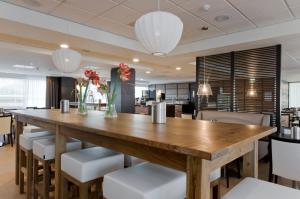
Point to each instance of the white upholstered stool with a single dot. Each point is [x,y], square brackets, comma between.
[87,167]
[251,188]
[132,161]
[25,161]
[145,181]
[32,129]
[44,152]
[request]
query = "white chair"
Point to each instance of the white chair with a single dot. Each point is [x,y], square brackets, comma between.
[251,188]
[44,153]
[145,181]
[5,128]
[87,167]
[286,159]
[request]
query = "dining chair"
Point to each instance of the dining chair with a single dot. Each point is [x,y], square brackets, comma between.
[252,188]
[286,160]
[6,128]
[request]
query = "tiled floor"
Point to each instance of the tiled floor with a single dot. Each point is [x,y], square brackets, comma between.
[8,189]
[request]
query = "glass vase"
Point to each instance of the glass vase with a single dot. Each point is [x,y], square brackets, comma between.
[111,111]
[82,108]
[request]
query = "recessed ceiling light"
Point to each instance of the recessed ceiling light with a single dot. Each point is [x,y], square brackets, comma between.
[178,68]
[64,45]
[206,7]
[24,66]
[221,18]
[135,60]
[148,72]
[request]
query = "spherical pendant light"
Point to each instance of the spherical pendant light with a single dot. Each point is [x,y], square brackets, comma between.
[66,60]
[159,32]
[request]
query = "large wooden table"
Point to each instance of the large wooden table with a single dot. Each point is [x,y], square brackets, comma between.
[196,147]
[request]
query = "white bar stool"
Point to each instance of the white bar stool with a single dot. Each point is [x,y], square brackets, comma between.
[251,188]
[148,180]
[145,181]
[32,129]
[26,159]
[44,152]
[87,167]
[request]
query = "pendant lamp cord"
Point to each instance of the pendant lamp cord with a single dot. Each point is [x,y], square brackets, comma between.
[204,69]
[158,4]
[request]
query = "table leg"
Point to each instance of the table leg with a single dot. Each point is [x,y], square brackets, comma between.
[19,131]
[60,147]
[250,162]
[198,184]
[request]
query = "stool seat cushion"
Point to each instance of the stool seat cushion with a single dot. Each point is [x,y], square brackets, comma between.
[91,163]
[31,129]
[145,181]
[45,148]
[251,188]
[26,140]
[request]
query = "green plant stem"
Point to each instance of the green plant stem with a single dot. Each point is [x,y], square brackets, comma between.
[85,92]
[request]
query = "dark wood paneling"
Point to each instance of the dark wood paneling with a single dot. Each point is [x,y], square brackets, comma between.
[125,101]
[68,88]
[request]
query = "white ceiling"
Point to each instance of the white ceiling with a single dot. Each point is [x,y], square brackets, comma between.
[118,16]
[252,23]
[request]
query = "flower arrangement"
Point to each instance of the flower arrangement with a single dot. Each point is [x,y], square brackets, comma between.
[125,74]
[82,87]
[103,87]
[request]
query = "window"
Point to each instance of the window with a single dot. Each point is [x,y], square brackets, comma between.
[22,92]
[139,91]
[294,95]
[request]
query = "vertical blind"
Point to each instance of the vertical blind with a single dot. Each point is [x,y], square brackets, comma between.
[22,92]
[243,81]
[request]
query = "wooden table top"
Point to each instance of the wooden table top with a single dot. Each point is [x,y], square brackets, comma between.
[203,139]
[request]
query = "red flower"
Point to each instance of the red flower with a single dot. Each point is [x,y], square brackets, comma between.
[124,72]
[92,75]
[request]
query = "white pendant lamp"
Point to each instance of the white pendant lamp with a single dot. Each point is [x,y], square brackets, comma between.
[205,88]
[66,60]
[159,31]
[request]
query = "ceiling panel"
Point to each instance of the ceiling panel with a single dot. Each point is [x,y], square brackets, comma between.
[148,5]
[235,23]
[296,11]
[109,25]
[122,14]
[118,16]
[72,13]
[39,5]
[192,26]
[94,6]
[293,2]
[265,12]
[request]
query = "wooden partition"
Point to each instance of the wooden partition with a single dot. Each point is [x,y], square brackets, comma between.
[243,81]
